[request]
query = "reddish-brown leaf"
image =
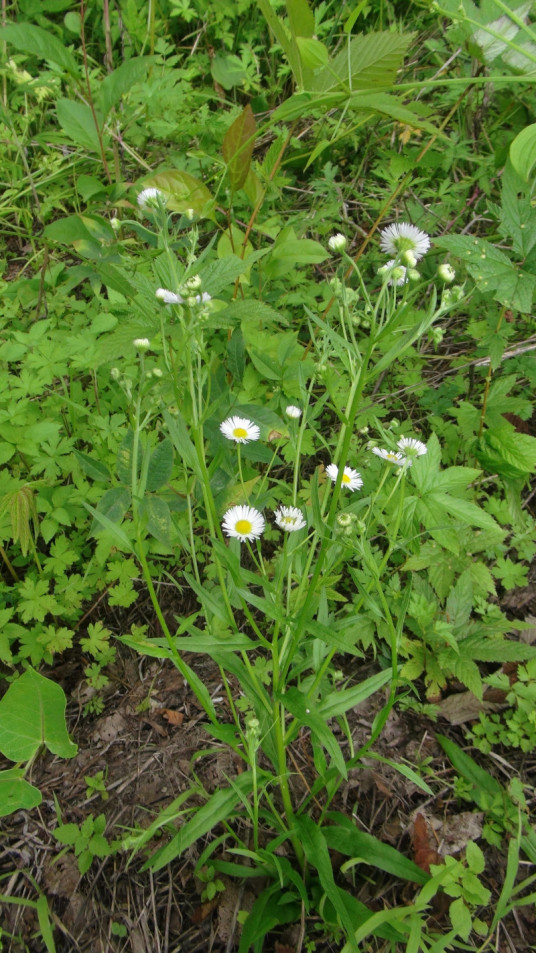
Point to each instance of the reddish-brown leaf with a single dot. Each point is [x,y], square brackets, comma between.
[238,146]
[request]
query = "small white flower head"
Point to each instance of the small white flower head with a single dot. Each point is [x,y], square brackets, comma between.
[203,298]
[391,456]
[240,429]
[351,479]
[151,198]
[141,344]
[446,273]
[293,411]
[168,297]
[243,522]
[337,243]
[289,518]
[402,237]
[346,519]
[115,374]
[413,274]
[115,223]
[412,448]
[193,283]
[157,372]
[393,274]
[409,258]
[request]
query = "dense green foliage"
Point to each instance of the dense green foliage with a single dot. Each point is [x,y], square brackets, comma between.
[201,329]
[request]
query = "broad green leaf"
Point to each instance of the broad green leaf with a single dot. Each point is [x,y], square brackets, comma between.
[32,713]
[125,459]
[219,807]
[313,53]
[183,191]
[76,120]
[118,83]
[466,512]
[372,61]
[238,146]
[517,214]
[16,794]
[523,152]
[157,515]
[301,18]
[92,467]
[67,230]
[160,465]
[346,838]
[508,453]
[271,909]
[492,270]
[104,522]
[32,39]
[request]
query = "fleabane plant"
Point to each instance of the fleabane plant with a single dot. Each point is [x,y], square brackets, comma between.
[285,559]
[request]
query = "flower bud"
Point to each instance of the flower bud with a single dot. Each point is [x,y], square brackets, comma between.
[446,273]
[337,243]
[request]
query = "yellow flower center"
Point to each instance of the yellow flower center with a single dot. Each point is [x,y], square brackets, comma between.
[240,432]
[289,519]
[345,478]
[243,527]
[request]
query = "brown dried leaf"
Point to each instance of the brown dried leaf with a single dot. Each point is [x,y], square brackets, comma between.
[172,716]
[457,709]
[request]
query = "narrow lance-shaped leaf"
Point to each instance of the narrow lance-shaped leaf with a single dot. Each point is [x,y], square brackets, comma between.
[238,146]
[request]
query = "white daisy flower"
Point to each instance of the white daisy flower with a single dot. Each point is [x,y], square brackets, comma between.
[401,237]
[293,411]
[390,455]
[240,429]
[243,522]
[412,448]
[337,243]
[289,518]
[150,198]
[168,297]
[351,479]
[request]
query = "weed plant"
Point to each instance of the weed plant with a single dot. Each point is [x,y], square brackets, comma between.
[218,343]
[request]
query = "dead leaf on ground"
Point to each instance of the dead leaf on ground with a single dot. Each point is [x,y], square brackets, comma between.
[172,716]
[424,850]
[463,707]
[107,729]
[453,832]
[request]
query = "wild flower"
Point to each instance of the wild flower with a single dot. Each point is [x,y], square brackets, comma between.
[402,237]
[243,522]
[392,456]
[351,479]
[293,411]
[168,297]
[289,518]
[446,273]
[240,429]
[150,198]
[142,344]
[337,243]
[412,448]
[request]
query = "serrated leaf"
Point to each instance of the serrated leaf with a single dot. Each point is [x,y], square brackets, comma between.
[236,356]
[504,451]
[371,61]
[119,82]
[237,147]
[93,468]
[228,70]
[492,271]
[32,713]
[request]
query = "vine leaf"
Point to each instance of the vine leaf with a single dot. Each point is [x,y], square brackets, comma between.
[32,713]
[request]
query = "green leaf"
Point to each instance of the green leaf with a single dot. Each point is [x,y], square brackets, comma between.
[183,191]
[158,516]
[93,468]
[316,851]
[160,465]
[38,42]
[492,271]
[219,807]
[16,794]
[68,230]
[339,702]
[228,70]
[371,61]
[507,452]
[32,713]
[238,146]
[460,917]
[300,17]
[296,703]
[313,53]
[523,152]
[484,788]
[346,838]
[236,356]
[77,122]
[119,83]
